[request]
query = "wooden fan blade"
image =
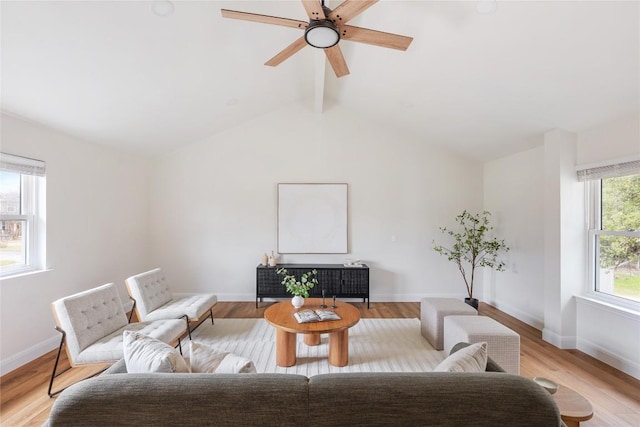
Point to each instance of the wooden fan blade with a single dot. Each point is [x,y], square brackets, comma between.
[339,65]
[376,38]
[314,9]
[287,52]
[349,9]
[264,19]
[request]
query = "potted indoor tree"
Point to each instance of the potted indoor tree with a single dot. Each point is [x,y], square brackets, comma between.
[298,288]
[472,248]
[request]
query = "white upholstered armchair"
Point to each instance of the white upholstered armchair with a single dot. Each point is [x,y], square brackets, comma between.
[92,323]
[153,300]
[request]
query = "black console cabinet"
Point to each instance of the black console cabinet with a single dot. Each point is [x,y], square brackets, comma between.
[335,279]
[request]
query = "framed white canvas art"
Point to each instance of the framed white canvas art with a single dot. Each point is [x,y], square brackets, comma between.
[312,218]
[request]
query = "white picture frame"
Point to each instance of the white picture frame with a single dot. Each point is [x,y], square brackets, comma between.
[312,218]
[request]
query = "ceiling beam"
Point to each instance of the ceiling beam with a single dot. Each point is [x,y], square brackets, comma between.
[320,68]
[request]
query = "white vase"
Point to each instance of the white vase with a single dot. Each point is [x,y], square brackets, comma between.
[297,301]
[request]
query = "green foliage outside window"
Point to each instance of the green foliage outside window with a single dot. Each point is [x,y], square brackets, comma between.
[620,210]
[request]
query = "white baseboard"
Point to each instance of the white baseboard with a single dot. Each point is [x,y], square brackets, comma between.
[520,315]
[551,337]
[412,297]
[13,362]
[236,297]
[374,297]
[617,361]
[558,340]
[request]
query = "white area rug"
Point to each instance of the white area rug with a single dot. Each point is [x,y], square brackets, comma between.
[375,345]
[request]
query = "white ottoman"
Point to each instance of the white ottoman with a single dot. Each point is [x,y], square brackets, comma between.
[432,313]
[503,344]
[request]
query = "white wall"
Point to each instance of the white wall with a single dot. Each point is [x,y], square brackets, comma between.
[207,211]
[564,238]
[608,333]
[515,197]
[214,203]
[616,140]
[529,189]
[97,212]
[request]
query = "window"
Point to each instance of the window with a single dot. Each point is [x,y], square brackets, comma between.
[21,214]
[614,234]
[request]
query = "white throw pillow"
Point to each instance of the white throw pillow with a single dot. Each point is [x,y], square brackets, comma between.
[144,354]
[206,359]
[469,359]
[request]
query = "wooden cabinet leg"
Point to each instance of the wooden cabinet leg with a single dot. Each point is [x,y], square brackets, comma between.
[285,348]
[339,348]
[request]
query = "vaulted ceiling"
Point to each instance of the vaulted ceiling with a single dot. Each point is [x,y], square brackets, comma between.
[485,84]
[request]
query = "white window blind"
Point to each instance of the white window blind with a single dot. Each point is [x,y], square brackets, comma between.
[22,165]
[609,171]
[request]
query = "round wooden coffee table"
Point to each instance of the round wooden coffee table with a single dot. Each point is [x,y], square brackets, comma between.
[280,316]
[573,407]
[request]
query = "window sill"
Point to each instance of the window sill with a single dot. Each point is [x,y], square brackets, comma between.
[24,274]
[631,310]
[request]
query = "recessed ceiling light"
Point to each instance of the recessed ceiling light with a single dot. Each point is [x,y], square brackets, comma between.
[162,7]
[486,6]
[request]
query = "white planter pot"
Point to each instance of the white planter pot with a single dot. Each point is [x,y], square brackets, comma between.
[297,301]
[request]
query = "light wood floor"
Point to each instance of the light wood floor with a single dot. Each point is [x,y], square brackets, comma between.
[614,395]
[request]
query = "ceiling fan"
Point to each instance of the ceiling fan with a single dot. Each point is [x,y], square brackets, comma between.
[325,29]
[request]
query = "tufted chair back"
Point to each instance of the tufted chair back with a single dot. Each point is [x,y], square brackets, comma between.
[150,290]
[89,316]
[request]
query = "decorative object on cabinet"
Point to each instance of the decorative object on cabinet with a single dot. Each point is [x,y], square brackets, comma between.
[272,260]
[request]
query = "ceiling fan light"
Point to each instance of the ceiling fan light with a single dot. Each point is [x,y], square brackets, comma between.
[321,34]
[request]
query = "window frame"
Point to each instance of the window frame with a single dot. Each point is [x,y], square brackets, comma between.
[32,213]
[594,193]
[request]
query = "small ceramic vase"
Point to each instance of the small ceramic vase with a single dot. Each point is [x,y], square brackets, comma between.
[264,259]
[272,260]
[297,301]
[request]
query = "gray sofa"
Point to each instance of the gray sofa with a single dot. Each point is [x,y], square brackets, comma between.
[341,399]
